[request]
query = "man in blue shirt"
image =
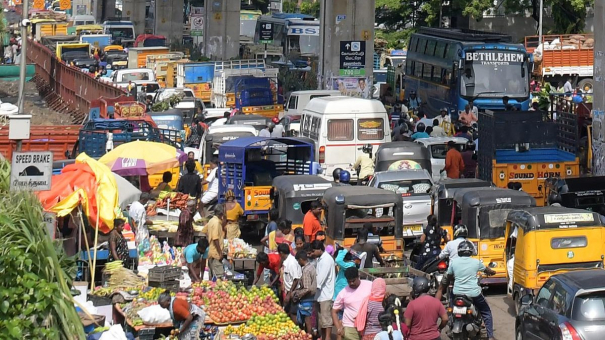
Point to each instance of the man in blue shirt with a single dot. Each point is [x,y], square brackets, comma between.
[420,132]
[414,102]
[196,255]
[463,270]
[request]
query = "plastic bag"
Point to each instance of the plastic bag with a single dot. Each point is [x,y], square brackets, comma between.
[114,333]
[154,315]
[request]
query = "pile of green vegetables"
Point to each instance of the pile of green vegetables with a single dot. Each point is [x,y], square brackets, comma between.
[35,274]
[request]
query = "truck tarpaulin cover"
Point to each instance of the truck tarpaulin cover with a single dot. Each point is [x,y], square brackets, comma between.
[85,182]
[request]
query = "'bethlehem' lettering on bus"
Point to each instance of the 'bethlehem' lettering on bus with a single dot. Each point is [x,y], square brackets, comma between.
[495,58]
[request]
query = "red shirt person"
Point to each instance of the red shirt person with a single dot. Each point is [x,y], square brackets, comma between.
[270,261]
[423,312]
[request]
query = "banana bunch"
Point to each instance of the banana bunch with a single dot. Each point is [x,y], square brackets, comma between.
[114,266]
[103,292]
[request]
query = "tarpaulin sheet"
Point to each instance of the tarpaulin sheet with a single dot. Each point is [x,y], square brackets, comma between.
[85,182]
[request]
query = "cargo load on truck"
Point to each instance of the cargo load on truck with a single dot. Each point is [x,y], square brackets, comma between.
[45,27]
[196,76]
[229,87]
[137,56]
[558,57]
[527,147]
[51,41]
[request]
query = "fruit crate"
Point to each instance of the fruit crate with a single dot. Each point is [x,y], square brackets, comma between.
[164,273]
[172,286]
[146,334]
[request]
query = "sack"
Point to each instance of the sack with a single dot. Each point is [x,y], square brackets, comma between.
[154,315]
[114,333]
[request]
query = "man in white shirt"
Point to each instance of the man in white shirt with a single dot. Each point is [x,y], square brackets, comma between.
[292,272]
[326,277]
[138,214]
[568,89]
[266,132]
[278,130]
[444,116]
[468,81]
[437,130]
[212,181]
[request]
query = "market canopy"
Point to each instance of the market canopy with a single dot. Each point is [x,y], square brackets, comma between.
[141,158]
[86,182]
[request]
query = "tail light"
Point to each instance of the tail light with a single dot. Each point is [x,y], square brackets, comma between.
[442,266]
[322,154]
[459,303]
[568,332]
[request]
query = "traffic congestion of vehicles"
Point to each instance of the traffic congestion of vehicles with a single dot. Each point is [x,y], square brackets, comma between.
[445,180]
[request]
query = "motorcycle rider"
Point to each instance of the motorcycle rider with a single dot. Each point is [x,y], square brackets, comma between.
[463,271]
[345,177]
[451,248]
[336,175]
[365,164]
[423,311]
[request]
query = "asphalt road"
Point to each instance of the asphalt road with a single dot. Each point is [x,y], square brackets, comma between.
[503,312]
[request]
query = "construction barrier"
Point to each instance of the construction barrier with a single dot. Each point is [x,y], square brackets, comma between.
[65,88]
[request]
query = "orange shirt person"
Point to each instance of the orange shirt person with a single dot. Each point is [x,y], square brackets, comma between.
[311,223]
[454,164]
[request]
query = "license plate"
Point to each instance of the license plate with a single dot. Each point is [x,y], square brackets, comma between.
[415,228]
[459,310]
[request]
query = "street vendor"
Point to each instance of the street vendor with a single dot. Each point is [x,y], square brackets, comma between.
[164,185]
[118,247]
[234,213]
[184,234]
[195,256]
[271,262]
[138,214]
[186,317]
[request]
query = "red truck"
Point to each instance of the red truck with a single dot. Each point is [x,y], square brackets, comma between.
[57,139]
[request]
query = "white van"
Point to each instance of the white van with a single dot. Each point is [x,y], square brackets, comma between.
[136,75]
[299,99]
[340,126]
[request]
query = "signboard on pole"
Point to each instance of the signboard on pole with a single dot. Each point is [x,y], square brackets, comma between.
[266,33]
[31,170]
[197,25]
[352,58]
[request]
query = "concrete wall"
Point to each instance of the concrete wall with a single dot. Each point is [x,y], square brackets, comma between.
[97,9]
[221,29]
[169,19]
[598,122]
[135,10]
[357,25]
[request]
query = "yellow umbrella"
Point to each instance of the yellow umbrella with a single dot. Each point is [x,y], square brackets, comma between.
[140,158]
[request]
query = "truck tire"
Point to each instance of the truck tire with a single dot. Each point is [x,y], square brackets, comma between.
[586,85]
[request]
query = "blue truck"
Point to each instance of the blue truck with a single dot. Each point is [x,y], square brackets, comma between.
[97,40]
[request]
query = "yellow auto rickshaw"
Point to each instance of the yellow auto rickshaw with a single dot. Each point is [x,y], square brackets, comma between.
[483,211]
[541,242]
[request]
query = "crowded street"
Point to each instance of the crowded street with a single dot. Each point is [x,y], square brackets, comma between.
[302,170]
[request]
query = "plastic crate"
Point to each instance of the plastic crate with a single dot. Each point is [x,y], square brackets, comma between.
[172,286]
[165,273]
[146,334]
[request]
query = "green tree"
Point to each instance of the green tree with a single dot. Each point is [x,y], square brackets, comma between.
[569,15]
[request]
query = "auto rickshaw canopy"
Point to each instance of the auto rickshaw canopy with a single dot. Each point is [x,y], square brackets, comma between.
[540,218]
[338,199]
[401,156]
[484,210]
[292,194]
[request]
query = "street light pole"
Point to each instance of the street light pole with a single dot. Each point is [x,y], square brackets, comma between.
[540,22]
[23,61]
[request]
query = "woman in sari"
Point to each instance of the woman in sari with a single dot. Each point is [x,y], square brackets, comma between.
[234,213]
[367,321]
[118,247]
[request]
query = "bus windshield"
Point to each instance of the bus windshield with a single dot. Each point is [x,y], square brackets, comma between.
[247,27]
[306,45]
[121,32]
[497,74]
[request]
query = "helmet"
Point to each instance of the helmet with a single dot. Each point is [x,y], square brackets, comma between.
[412,93]
[420,126]
[443,109]
[275,120]
[367,148]
[345,176]
[465,248]
[336,173]
[404,128]
[470,146]
[270,125]
[420,285]
[460,230]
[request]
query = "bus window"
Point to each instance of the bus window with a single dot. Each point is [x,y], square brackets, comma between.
[440,49]
[278,34]
[370,129]
[426,72]
[437,74]
[413,43]
[340,129]
[447,77]
[315,128]
[421,45]
[430,48]
[418,69]
[409,68]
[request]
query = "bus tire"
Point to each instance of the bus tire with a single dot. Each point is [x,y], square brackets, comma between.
[588,82]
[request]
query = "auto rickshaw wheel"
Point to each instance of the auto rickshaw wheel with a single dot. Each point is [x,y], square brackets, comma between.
[516,302]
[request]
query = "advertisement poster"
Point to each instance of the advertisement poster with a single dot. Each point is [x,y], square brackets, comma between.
[351,86]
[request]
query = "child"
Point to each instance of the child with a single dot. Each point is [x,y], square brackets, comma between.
[387,332]
[393,305]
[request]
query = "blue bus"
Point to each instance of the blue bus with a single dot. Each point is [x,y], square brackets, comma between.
[449,67]
[293,34]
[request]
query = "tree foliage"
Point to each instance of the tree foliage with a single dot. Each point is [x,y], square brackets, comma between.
[569,15]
